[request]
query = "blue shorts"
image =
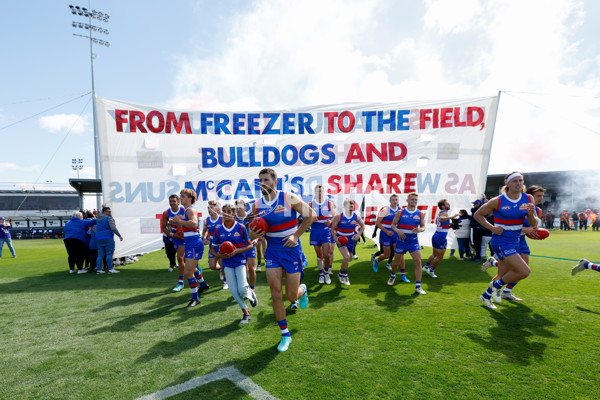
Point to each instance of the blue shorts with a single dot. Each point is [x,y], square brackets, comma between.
[505,246]
[250,253]
[523,246]
[439,240]
[194,247]
[407,245]
[278,256]
[177,242]
[350,245]
[320,234]
[386,240]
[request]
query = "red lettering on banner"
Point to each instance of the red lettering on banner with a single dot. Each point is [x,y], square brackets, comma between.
[351,121]
[349,185]
[392,151]
[370,215]
[136,120]
[433,213]
[184,118]
[457,121]
[393,183]
[436,118]
[334,182]
[355,153]
[424,118]
[409,182]
[446,118]
[470,112]
[374,184]
[330,120]
[150,121]
[120,119]
[372,149]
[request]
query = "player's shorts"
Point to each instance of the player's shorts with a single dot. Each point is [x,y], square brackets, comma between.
[386,240]
[439,240]
[278,256]
[408,245]
[350,245]
[320,235]
[194,247]
[250,253]
[177,242]
[523,246]
[505,246]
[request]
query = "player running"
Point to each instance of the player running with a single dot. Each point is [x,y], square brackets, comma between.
[210,224]
[283,256]
[439,239]
[320,233]
[348,224]
[245,218]
[175,237]
[408,223]
[387,236]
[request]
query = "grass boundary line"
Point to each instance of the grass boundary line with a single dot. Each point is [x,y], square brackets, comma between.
[231,373]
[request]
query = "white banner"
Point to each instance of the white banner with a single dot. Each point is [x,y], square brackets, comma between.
[362,151]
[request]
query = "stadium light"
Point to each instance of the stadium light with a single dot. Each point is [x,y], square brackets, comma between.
[89,34]
[77,165]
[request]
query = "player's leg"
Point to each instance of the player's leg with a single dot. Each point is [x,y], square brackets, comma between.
[416,256]
[343,274]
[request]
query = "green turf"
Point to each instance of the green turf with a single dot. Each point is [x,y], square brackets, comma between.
[123,336]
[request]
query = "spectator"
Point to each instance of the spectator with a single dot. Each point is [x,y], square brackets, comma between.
[106,229]
[575,219]
[476,231]
[92,251]
[549,220]
[564,221]
[595,220]
[5,236]
[75,241]
[463,234]
[583,220]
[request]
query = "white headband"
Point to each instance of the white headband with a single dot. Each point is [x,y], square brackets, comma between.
[512,176]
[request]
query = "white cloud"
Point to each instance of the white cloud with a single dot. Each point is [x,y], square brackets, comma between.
[64,122]
[7,167]
[290,54]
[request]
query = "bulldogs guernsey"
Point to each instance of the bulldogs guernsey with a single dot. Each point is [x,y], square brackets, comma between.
[386,221]
[439,239]
[212,225]
[175,229]
[319,230]
[409,220]
[194,247]
[238,235]
[347,225]
[510,215]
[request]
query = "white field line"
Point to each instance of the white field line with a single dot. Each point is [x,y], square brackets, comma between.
[231,373]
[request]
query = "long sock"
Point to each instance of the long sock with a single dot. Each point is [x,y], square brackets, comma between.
[194,287]
[427,264]
[494,263]
[402,271]
[499,283]
[393,275]
[180,280]
[417,284]
[283,326]
[432,268]
[198,276]
[509,287]
[590,265]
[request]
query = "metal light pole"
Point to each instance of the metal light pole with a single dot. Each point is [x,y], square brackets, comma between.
[77,165]
[100,16]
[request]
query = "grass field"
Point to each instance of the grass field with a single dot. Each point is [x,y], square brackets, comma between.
[124,336]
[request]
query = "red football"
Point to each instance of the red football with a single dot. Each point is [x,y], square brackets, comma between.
[343,240]
[226,248]
[259,224]
[541,233]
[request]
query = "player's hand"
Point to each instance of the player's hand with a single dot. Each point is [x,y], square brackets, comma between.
[388,232]
[497,230]
[291,241]
[121,238]
[401,235]
[256,234]
[355,237]
[175,220]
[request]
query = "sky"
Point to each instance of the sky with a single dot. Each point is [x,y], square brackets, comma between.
[235,55]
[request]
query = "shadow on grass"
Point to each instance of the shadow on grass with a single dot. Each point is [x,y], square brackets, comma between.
[162,308]
[189,342]
[515,334]
[587,310]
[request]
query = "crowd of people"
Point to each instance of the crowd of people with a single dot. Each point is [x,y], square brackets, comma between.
[573,221]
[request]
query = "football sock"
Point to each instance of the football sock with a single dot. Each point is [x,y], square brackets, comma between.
[509,287]
[417,284]
[180,280]
[590,265]
[194,287]
[283,326]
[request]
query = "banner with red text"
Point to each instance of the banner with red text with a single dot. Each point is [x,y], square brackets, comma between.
[438,149]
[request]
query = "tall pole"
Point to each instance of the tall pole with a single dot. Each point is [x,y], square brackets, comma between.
[76,10]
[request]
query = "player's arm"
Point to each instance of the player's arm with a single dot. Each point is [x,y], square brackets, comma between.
[361,227]
[380,216]
[192,222]
[443,217]
[334,223]
[484,210]
[421,227]
[303,209]
[401,234]
[531,212]
[164,223]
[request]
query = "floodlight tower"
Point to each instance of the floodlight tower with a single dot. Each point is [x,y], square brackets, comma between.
[101,17]
[77,165]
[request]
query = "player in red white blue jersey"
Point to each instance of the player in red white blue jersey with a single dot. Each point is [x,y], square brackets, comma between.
[439,239]
[408,223]
[387,236]
[350,224]
[245,219]
[171,237]
[284,252]
[210,223]
[320,233]
[234,264]
[194,247]
[510,210]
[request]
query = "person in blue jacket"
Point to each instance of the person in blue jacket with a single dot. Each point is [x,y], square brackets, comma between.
[75,240]
[106,229]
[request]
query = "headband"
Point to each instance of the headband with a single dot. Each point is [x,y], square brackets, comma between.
[512,176]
